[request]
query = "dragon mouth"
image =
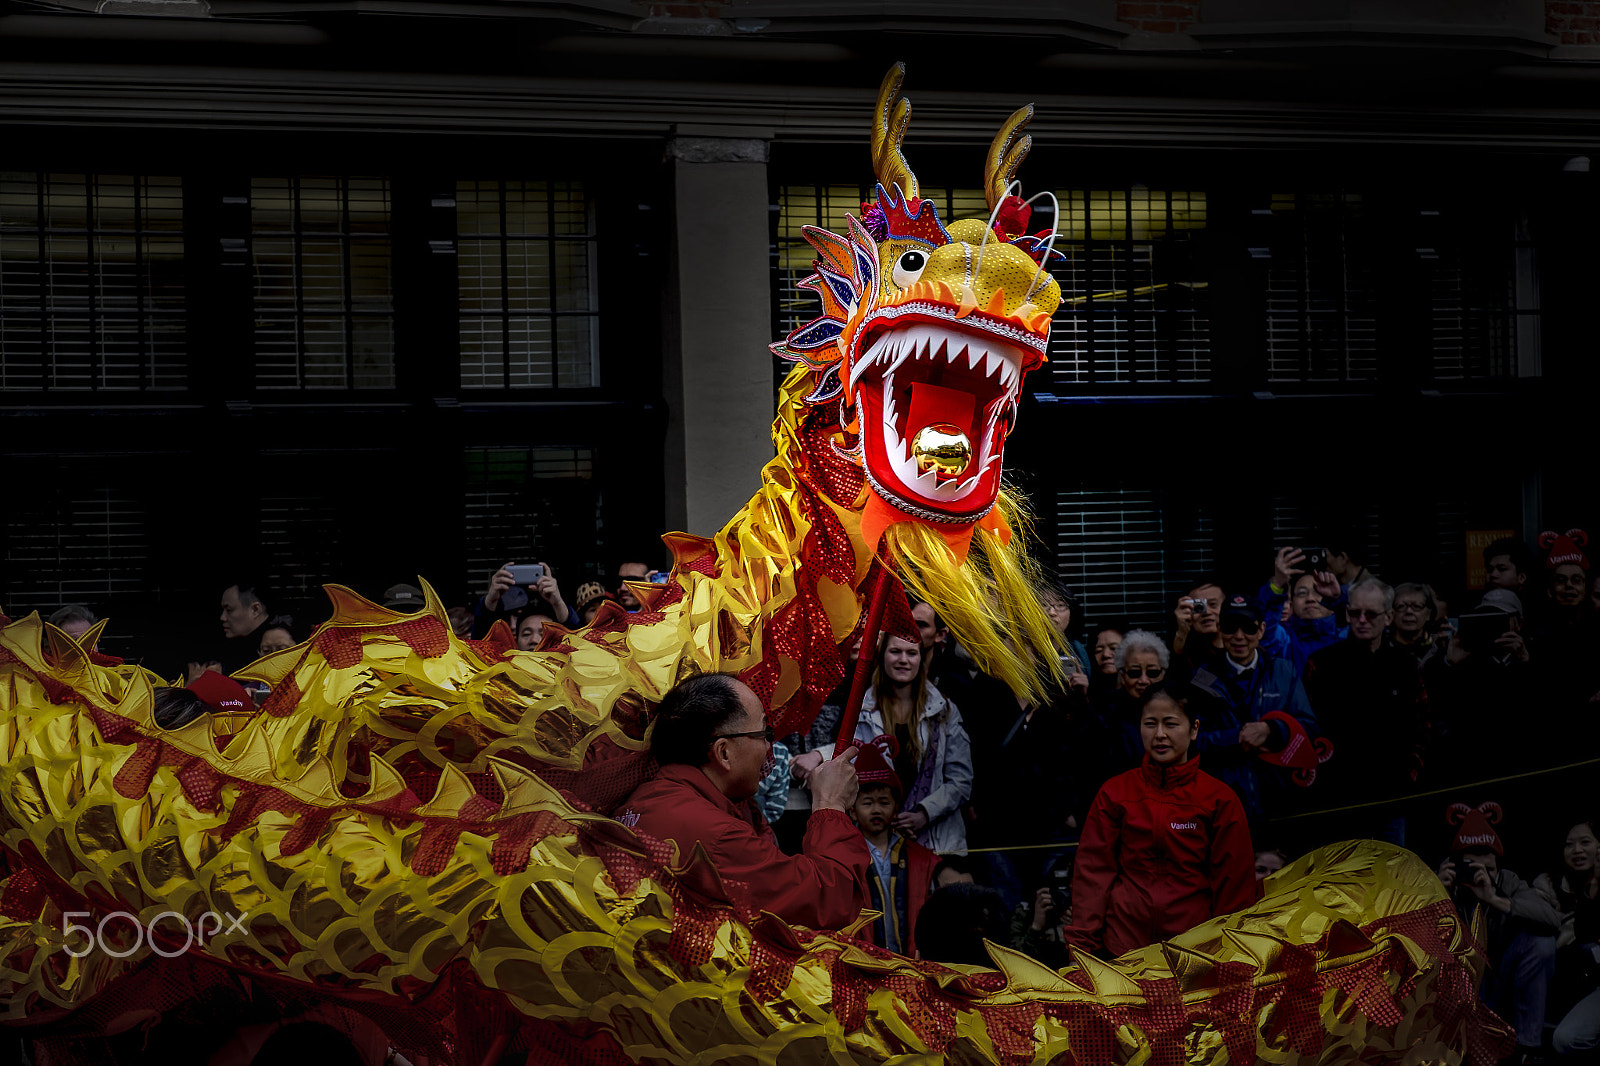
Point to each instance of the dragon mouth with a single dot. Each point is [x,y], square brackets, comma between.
[937,400]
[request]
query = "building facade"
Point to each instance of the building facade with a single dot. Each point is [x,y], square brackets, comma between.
[357,290]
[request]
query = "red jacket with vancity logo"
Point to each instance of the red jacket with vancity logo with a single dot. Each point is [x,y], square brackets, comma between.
[1164,848]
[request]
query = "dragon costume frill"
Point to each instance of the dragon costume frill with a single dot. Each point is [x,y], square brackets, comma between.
[411,839]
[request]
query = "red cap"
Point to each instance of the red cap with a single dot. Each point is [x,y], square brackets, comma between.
[222,692]
[875,763]
[1563,548]
[1475,827]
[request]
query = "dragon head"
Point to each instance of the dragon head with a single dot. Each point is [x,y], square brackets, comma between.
[926,334]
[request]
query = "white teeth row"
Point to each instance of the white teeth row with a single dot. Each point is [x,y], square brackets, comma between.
[1000,360]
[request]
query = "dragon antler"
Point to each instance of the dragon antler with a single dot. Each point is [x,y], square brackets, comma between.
[1006,153]
[888,133]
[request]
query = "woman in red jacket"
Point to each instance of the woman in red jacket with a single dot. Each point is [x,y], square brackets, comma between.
[1165,846]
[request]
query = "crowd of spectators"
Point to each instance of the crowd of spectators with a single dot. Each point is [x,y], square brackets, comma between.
[1332,703]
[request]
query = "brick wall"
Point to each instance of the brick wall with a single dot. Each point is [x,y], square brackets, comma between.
[1164,16]
[1574,21]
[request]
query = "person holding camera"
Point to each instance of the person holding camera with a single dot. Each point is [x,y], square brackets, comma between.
[1165,846]
[508,592]
[1313,595]
[1521,924]
[1195,634]
[1483,673]
[1038,926]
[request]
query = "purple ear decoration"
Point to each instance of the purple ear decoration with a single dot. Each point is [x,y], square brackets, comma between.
[873,218]
[841,288]
[829,386]
[815,334]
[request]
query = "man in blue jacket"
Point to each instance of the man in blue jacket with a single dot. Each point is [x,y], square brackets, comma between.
[1230,693]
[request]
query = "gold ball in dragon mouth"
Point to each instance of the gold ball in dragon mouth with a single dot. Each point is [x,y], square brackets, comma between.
[943,449]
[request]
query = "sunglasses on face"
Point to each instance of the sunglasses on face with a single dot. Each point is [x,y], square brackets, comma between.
[1235,625]
[1152,672]
[1364,614]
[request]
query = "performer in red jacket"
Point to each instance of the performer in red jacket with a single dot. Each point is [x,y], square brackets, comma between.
[714,745]
[1164,848]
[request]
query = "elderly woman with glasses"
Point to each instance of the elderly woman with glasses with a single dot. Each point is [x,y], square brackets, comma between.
[1412,626]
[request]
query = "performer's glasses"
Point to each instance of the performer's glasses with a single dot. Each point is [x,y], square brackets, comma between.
[764,733]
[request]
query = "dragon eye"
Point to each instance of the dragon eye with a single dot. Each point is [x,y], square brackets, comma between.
[908,268]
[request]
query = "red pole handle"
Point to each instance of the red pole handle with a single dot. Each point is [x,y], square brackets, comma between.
[869,643]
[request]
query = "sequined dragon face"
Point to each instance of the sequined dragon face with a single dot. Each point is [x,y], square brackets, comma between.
[934,366]
[927,332]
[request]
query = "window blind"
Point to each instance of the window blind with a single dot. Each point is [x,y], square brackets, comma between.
[91,282]
[528,303]
[1135,306]
[1320,296]
[526,505]
[1124,550]
[324,298]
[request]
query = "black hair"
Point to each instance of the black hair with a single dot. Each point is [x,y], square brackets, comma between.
[1200,581]
[250,591]
[1521,555]
[284,622]
[1162,690]
[1344,540]
[689,717]
[72,612]
[1117,626]
[894,790]
[957,919]
[540,608]
[177,707]
[961,864]
[938,623]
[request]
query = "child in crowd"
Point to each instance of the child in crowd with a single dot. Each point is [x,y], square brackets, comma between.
[1165,846]
[902,869]
[1269,861]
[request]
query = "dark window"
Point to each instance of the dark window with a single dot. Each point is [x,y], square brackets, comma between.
[324,301]
[1482,291]
[529,505]
[1119,546]
[528,308]
[91,282]
[1135,307]
[1320,293]
[79,534]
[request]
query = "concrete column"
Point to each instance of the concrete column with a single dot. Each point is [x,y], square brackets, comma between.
[718,373]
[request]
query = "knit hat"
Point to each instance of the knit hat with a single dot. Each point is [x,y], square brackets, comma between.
[591,591]
[1475,827]
[875,763]
[1563,548]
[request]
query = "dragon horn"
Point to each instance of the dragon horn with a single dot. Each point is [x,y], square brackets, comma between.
[889,131]
[1006,153]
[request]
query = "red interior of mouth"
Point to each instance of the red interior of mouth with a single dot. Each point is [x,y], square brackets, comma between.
[929,404]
